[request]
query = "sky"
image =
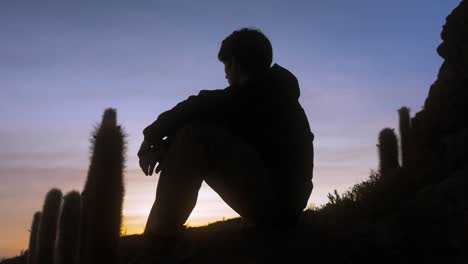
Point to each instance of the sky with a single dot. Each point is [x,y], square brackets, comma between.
[63,62]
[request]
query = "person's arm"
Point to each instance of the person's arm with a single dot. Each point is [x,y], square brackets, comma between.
[206,103]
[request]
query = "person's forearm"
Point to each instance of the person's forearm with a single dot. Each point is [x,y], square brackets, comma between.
[206,103]
[163,126]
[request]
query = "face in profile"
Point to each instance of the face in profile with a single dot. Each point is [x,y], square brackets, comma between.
[232,72]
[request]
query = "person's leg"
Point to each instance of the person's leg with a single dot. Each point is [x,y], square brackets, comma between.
[230,166]
[178,185]
[237,173]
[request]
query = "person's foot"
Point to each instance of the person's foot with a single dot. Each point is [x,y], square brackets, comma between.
[163,250]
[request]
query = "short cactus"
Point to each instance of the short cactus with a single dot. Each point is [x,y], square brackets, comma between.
[32,251]
[48,227]
[405,142]
[67,237]
[388,151]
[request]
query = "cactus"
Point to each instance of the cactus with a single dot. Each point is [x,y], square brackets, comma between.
[67,238]
[48,227]
[405,143]
[32,251]
[388,150]
[103,194]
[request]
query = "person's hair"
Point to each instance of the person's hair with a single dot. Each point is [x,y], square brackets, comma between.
[250,47]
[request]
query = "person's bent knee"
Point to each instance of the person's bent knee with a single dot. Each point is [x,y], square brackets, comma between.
[190,131]
[188,148]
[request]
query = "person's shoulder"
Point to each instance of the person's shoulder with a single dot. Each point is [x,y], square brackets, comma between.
[215,92]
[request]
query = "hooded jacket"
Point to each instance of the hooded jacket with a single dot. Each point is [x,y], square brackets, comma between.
[266,113]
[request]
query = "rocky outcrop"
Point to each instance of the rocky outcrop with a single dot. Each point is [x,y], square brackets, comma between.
[440,130]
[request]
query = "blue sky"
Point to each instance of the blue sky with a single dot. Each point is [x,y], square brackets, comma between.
[62,63]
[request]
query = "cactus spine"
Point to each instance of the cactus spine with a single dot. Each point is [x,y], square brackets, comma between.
[388,151]
[103,194]
[48,227]
[67,238]
[32,251]
[405,127]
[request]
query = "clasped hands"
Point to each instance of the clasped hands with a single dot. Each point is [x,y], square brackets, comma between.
[152,154]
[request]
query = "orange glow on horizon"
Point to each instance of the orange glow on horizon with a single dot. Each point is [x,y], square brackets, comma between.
[135,225]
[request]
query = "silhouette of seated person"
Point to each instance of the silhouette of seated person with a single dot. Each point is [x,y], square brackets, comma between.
[250,142]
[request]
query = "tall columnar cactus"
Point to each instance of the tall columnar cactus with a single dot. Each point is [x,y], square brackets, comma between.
[32,251]
[405,141]
[69,224]
[388,150]
[103,194]
[48,227]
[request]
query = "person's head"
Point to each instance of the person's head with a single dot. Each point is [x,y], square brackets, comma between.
[245,53]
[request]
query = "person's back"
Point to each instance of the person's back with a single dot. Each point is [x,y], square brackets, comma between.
[251,142]
[266,113]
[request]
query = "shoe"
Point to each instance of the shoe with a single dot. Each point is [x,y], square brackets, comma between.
[164,250]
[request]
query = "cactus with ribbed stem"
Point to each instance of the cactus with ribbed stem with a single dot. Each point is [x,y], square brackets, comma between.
[48,227]
[405,127]
[388,151]
[102,195]
[69,224]
[32,251]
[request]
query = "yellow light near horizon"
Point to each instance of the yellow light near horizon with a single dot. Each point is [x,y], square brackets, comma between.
[135,225]
[139,199]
